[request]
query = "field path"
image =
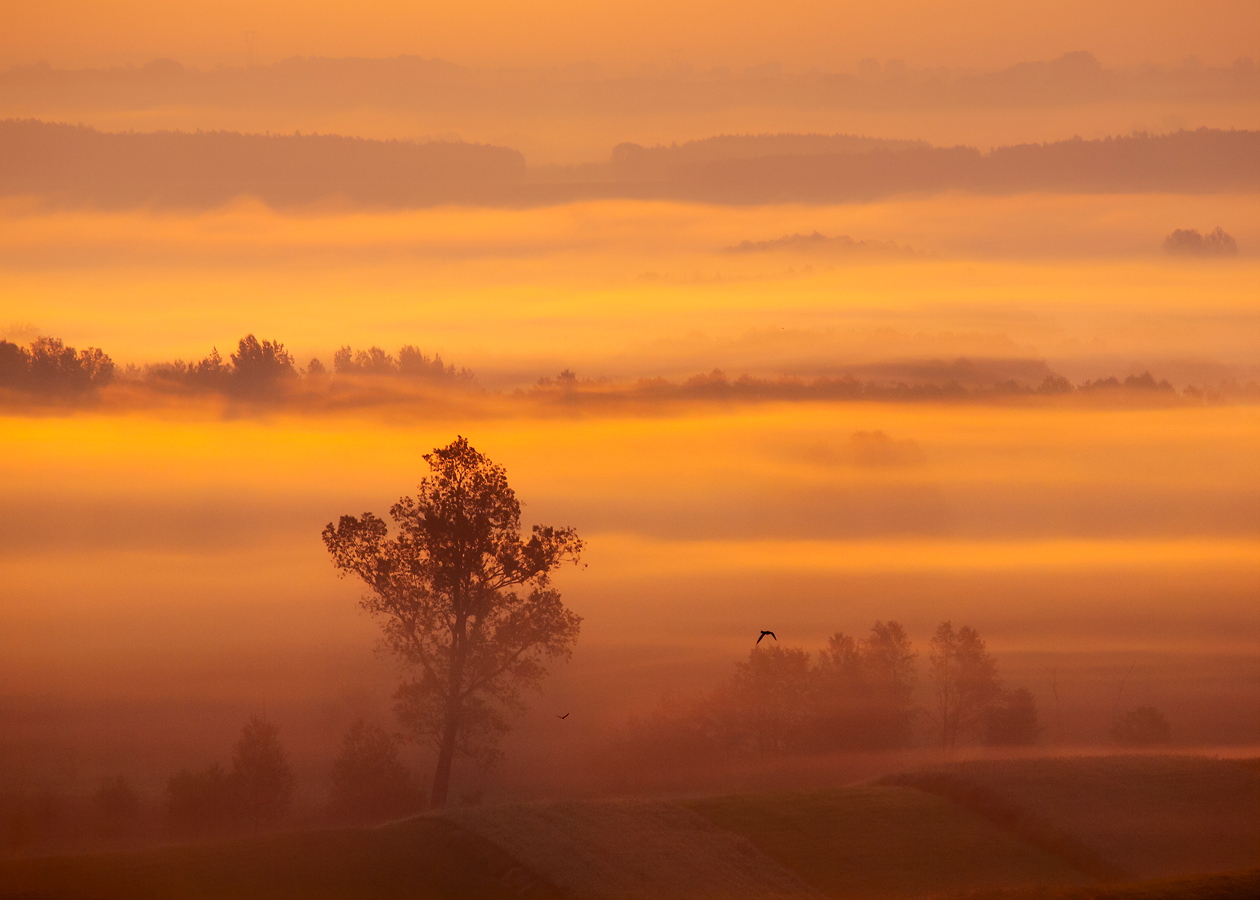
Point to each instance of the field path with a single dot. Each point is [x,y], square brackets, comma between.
[632,850]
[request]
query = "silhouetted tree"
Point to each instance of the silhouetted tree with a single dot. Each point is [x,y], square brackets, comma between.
[369,781]
[259,367]
[764,706]
[373,361]
[888,664]
[49,367]
[1141,727]
[965,681]
[115,806]
[200,802]
[446,587]
[1188,242]
[261,778]
[1012,722]
[863,690]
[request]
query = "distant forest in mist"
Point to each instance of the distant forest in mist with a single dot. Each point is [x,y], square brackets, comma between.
[413,83]
[47,372]
[78,165]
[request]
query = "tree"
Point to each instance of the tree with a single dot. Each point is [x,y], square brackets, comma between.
[765,703]
[864,690]
[258,367]
[1012,722]
[965,676]
[261,778]
[199,802]
[369,781]
[888,664]
[50,367]
[1141,727]
[116,807]
[464,600]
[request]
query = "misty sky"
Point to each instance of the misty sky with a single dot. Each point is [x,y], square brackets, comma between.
[160,553]
[800,34]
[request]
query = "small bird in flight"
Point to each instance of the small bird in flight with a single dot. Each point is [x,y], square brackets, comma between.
[764,633]
[565,716]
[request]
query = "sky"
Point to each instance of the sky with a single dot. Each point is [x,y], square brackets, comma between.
[160,565]
[798,34]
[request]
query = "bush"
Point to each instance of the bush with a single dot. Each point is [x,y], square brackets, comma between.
[1141,727]
[369,781]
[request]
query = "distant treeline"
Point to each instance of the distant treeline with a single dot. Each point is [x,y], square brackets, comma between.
[434,85]
[78,165]
[854,694]
[259,370]
[81,165]
[48,372]
[367,781]
[1184,161]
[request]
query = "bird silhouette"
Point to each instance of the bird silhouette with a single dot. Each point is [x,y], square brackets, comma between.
[764,633]
[565,716]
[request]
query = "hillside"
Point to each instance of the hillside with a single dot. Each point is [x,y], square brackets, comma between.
[882,842]
[425,858]
[75,165]
[1143,816]
[1045,829]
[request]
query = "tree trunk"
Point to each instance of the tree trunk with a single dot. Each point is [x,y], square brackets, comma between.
[446,756]
[454,709]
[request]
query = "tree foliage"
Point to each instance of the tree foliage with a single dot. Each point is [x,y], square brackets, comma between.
[257,791]
[261,776]
[1012,721]
[463,600]
[369,780]
[1144,726]
[965,683]
[50,368]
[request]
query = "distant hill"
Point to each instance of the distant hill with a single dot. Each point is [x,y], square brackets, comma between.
[83,165]
[635,161]
[78,165]
[1205,160]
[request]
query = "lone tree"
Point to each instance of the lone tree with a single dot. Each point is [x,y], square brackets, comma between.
[261,778]
[466,602]
[966,683]
[369,780]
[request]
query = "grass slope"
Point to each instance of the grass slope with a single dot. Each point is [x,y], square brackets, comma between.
[1230,886]
[1147,816]
[633,850]
[884,842]
[419,859]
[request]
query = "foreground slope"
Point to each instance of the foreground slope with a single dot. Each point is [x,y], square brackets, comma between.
[1026,829]
[884,842]
[633,850]
[426,858]
[1139,816]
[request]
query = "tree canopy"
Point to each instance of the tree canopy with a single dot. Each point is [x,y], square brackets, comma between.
[464,600]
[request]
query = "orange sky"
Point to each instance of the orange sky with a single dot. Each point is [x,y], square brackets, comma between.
[797,33]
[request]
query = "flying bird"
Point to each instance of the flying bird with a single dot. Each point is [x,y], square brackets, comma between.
[764,633]
[565,716]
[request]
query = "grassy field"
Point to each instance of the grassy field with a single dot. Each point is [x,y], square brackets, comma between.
[418,859]
[993,830]
[884,842]
[1144,816]
[634,850]
[1230,886]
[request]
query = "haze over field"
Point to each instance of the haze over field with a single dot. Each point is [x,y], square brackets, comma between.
[809,319]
